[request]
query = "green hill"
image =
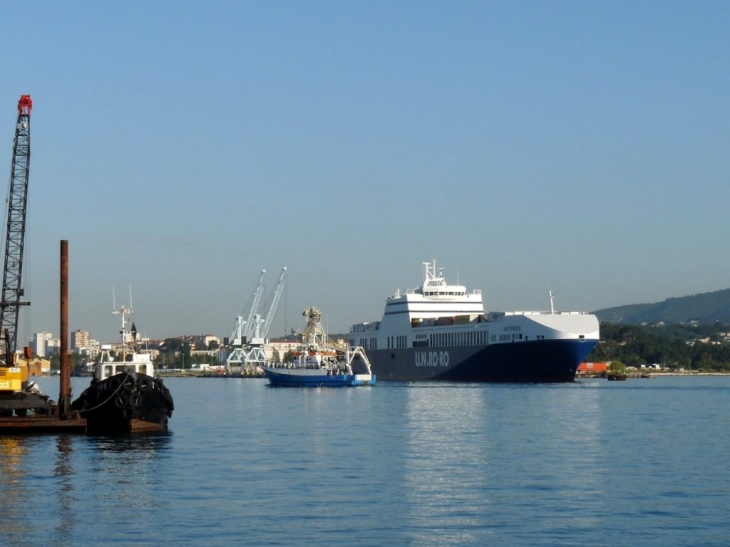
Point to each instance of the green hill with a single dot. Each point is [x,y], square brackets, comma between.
[703,308]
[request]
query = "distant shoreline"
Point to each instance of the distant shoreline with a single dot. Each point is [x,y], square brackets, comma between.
[655,374]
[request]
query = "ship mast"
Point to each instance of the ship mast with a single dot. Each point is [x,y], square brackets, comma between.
[552,308]
[124,312]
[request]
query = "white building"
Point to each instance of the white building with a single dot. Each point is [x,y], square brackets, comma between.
[40,343]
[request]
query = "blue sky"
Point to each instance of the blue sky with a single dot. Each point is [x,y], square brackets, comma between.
[182,147]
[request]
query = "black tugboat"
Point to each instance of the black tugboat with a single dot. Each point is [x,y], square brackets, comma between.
[125,395]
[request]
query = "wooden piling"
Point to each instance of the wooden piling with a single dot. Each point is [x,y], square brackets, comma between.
[64,397]
[61,418]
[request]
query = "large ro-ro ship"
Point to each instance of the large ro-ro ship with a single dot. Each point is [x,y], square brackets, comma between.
[441,332]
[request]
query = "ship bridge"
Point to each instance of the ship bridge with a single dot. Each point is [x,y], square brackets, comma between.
[434,299]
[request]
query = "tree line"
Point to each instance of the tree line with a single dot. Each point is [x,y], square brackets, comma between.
[692,347]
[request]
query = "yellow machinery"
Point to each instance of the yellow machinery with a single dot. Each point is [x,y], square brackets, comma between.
[13,378]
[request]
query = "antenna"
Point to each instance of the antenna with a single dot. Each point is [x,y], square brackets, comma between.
[114,300]
[130,297]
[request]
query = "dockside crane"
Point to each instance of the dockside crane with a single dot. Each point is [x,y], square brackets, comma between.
[15,395]
[242,330]
[249,338]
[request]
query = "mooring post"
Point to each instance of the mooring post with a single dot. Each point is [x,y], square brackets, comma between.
[64,397]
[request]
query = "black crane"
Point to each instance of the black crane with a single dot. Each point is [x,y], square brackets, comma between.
[15,234]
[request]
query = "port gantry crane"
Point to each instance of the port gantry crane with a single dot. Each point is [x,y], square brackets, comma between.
[14,394]
[249,337]
[244,329]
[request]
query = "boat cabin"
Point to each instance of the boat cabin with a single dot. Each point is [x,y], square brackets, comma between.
[108,365]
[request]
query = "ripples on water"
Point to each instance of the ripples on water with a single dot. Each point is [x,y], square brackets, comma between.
[642,462]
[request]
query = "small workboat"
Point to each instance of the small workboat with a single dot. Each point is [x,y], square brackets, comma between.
[125,395]
[617,376]
[319,363]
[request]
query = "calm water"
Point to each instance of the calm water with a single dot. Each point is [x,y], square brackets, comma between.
[642,462]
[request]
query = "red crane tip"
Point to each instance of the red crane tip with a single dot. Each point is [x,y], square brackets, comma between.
[25,103]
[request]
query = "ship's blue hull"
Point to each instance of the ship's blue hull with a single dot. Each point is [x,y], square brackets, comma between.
[527,361]
[289,378]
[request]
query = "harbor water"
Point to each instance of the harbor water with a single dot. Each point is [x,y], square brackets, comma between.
[641,462]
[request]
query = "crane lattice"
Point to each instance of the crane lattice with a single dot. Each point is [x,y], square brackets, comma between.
[15,231]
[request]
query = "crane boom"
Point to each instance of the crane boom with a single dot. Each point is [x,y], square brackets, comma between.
[274,304]
[248,326]
[15,235]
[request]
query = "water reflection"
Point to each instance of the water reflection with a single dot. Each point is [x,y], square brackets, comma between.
[568,439]
[473,450]
[63,471]
[448,460]
[13,494]
[126,473]
[54,488]
[150,443]
[37,488]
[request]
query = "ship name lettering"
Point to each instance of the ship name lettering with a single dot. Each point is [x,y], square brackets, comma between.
[432,358]
[512,329]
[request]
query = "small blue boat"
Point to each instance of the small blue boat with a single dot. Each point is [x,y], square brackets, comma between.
[319,363]
[324,377]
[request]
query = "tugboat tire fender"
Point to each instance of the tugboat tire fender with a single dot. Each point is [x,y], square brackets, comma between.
[129,383]
[135,400]
[120,400]
[144,384]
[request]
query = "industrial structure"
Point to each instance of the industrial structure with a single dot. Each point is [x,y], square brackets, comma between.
[18,396]
[249,338]
[15,232]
